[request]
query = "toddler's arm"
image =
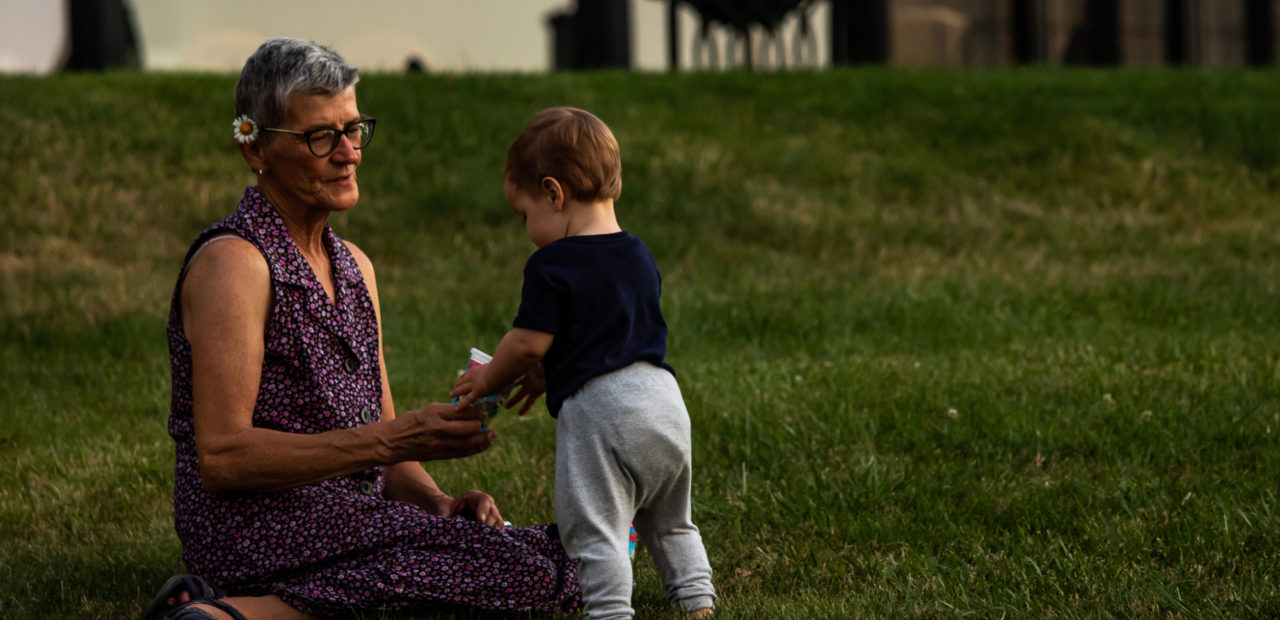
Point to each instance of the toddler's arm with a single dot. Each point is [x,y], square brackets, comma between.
[520,350]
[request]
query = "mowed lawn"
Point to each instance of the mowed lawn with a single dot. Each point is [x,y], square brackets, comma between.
[988,343]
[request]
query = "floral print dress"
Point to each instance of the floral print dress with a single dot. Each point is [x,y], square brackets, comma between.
[338,545]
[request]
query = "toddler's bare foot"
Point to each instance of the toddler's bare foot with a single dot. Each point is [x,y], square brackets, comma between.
[705,612]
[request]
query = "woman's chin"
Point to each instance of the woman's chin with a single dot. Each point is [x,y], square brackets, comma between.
[343,198]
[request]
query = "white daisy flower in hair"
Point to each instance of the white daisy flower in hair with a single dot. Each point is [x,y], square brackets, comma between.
[245,130]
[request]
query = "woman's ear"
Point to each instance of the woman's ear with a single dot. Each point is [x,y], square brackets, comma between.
[252,153]
[554,191]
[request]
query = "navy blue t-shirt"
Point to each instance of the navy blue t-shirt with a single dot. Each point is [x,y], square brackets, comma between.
[598,295]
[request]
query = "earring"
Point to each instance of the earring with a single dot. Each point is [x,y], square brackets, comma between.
[259,172]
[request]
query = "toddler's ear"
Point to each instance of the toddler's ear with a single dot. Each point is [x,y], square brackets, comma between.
[553,191]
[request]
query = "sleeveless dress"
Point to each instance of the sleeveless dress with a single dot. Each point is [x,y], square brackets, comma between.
[338,545]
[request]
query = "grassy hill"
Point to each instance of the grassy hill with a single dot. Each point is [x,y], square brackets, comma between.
[989,342]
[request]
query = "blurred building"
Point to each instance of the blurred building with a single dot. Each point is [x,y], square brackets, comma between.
[539,35]
[1123,32]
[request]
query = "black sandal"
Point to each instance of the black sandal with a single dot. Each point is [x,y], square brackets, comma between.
[194,585]
[186,611]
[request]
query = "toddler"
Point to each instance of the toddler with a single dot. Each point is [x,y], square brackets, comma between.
[589,331]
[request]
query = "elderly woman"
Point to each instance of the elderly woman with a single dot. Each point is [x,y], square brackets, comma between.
[298,488]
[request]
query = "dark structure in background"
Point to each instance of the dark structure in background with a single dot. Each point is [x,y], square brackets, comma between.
[1177,48]
[1027,22]
[596,35]
[1259,33]
[1095,40]
[740,17]
[859,32]
[989,33]
[101,36]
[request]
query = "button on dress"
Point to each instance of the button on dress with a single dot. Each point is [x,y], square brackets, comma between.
[337,545]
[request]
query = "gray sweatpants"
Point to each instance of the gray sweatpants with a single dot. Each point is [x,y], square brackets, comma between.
[623,457]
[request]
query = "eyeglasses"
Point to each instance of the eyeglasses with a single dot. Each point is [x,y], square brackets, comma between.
[325,140]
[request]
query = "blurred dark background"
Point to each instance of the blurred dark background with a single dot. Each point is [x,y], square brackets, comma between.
[780,34]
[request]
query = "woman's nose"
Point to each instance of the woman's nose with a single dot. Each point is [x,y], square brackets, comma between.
[346,151]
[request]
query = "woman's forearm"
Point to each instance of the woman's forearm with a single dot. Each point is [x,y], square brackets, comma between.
[408,482]
[256,459]
[263,460]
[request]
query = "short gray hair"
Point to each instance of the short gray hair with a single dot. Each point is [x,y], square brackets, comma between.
[284,67]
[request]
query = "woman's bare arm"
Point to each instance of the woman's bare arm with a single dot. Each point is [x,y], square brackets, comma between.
[226,302]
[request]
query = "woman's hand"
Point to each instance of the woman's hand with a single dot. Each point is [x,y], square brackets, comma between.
[530,387]
[478,506]
[439,431]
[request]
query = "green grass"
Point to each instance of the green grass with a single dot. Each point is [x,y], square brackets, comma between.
[990,343]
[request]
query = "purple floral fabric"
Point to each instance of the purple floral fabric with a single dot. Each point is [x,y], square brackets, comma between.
[337,545]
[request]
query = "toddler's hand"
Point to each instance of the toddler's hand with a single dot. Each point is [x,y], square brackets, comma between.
[531,386]
[470,387]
